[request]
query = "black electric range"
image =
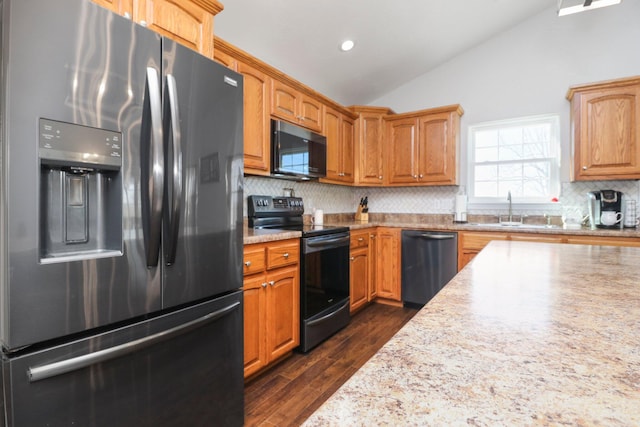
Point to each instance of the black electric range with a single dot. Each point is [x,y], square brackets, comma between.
[324,266]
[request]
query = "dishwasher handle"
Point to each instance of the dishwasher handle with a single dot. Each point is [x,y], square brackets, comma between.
[431,236]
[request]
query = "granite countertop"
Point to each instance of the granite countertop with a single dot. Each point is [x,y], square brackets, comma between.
[433,222]
[526,334]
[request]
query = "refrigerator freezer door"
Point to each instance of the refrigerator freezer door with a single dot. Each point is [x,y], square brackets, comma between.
[181,369]
[203,203]
[71,61]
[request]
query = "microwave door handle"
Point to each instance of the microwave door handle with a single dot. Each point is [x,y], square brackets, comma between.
[171,116]
[152,167]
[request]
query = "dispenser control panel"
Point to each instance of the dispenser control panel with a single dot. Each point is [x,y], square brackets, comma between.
[68,144]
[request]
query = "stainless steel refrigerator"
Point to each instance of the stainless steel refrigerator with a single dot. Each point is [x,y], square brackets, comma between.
[120,222]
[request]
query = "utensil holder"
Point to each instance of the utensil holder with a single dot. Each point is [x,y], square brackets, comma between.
[362,216]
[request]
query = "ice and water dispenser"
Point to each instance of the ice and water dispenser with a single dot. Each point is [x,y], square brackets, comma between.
[80,192]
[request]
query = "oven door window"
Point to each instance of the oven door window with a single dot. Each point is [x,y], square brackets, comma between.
[325,279]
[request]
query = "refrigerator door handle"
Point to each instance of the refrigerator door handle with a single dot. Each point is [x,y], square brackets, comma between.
[152,167]
[171,114]
[43,372]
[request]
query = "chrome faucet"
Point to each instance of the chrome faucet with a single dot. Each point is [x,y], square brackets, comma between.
[510,209]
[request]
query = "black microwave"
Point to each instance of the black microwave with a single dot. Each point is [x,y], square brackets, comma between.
[297,152]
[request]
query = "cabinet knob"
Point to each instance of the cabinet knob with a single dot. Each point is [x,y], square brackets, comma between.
[420,176]
[380,177]
[415,176]
[248,263]
[143,23]
[264,285]
[127,15]
[272,282]
[352,258]
[360,239]
[584,168]
[373,236]
[285,255]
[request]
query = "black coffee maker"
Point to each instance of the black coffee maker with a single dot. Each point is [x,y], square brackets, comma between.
[609,201]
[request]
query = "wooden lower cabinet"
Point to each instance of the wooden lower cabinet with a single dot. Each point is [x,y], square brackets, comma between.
[271,302]
[604,241]
[361,286]
[471,243]
[388,264]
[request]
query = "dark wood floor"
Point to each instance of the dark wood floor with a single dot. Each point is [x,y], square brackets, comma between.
[290,392]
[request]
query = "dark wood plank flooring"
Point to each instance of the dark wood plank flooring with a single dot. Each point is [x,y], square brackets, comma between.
[289,393]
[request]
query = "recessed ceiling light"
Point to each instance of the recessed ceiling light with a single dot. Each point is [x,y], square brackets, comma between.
[564,9]
[347,45]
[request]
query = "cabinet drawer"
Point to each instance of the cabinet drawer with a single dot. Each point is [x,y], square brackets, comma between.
[359,240]
[254,260]
[280,255]
[480,240]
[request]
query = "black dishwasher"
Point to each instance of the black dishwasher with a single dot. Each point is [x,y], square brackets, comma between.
[429,261]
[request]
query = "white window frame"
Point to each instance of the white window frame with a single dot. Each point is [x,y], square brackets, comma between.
[554,167]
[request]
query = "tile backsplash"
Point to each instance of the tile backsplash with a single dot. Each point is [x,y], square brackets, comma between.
[418,200]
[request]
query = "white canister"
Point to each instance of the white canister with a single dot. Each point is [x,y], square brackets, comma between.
[318,217]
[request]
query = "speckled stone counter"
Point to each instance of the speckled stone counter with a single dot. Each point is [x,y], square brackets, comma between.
[431,222]
[527,334]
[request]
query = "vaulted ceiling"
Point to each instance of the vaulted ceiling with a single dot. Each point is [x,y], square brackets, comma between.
[396,41]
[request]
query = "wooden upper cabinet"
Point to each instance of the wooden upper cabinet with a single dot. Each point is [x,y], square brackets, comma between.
[402,152]
[605,122]
[437,148]
[294,106]
[225,59]
[257,134]
[189,22]
[422,147]
[338,129]
[121,7]
[368,139]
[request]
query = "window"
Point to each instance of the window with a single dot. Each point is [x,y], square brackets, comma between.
[519,155]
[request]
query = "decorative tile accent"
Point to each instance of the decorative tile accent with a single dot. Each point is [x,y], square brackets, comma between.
[415,200]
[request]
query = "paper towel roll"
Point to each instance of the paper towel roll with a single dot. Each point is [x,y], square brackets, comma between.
[461,208]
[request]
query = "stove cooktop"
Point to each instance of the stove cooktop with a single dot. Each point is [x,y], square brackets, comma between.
[284,213]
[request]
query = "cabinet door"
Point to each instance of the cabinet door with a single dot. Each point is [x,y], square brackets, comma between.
[257,133]
[346,136]
[284,101]
[359,278]
[401,151]
[607,133]
[283,311]
[334,144]
[121,7]
[388,263]
[311,113]
[183,21]
[373,274]
[226,60]
[436,149]
[369,130]
[255,322]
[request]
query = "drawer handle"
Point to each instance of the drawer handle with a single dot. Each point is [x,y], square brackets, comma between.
[248,263]
[360,239]
[286,255]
